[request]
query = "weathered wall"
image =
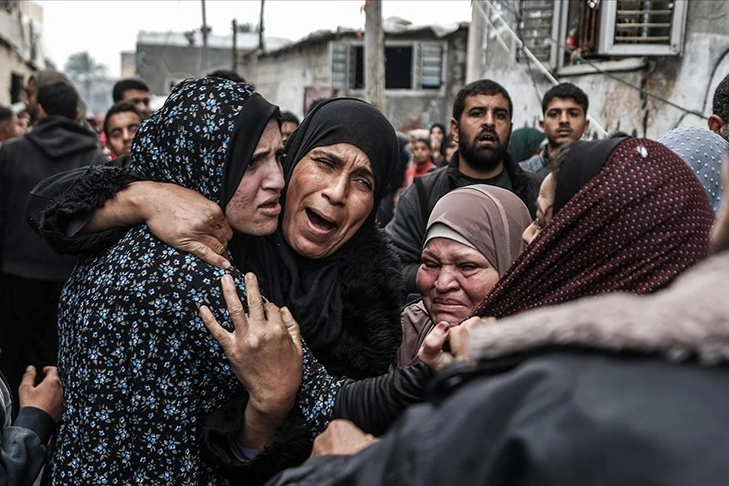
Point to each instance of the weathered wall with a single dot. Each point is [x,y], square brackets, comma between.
[21,44]
[420,109]
[688,80]
[158,65]
[283,77]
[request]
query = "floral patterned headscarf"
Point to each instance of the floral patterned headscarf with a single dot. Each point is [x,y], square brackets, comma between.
[203,137]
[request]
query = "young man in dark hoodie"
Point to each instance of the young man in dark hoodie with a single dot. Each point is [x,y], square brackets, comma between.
[32,274]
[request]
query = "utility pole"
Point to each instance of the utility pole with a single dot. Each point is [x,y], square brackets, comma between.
[234,64]
[374,55]
[204,57]
[261,47]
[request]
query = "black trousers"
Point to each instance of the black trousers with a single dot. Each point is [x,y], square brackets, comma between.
[28,326]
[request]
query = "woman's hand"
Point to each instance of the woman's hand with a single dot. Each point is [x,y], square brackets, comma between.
[341,437]
[47,395]
[186,220]
[180,217]
[264,348]
[432,352]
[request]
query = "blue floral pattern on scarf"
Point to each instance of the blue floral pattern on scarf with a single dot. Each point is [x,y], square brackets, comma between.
[138,365]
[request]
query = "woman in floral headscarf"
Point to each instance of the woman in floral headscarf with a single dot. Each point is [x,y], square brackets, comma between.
[138,365]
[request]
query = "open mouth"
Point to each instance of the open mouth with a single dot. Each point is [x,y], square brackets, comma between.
[487,137]
[319,222]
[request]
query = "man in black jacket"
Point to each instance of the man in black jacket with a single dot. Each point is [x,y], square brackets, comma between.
[481,125]
[32,274]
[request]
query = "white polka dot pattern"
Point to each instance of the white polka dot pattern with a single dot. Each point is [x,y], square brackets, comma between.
[703,150]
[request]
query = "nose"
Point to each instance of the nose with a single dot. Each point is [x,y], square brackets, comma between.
[529,233]
[564,118]
[336,191]
[446,279]
[488,119]
[274,177]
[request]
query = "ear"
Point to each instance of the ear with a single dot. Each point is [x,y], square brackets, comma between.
[541,124]
[41,112]
[715,124]
[587,127]
[454,129]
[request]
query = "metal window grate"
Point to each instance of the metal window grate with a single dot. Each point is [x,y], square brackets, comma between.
[535,27]
[431,61]
[643,22]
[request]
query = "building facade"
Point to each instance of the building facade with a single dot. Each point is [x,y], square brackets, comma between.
[21,47]
[163,59]
[424,69]
[647,67]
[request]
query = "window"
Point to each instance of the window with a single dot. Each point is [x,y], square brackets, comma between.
[398,67]
[408,66]
[595,29]
[16,88]
[643,27]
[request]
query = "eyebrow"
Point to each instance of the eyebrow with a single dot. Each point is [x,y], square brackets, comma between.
[358,170]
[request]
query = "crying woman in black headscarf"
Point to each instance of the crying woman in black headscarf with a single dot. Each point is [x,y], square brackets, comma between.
[329,263]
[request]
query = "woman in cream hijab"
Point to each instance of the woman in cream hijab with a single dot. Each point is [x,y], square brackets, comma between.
[473,236]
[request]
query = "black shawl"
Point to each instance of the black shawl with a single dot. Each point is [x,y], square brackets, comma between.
[312,289]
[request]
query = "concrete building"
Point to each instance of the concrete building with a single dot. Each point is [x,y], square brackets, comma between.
[631,57]
[424,69]
[163,59]
[21,47]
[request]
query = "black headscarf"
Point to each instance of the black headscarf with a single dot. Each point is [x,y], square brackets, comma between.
[582,162]
[311,288]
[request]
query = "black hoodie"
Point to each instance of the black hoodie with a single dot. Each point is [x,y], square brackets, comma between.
[56,144]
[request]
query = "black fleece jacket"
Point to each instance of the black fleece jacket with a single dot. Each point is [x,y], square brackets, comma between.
[56,144]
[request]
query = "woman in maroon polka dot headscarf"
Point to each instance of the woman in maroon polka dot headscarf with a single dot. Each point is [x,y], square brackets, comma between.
[626,215]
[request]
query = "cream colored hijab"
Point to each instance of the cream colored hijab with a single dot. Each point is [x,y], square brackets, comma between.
[487,218]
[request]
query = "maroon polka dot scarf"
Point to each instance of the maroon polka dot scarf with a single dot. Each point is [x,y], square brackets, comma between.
[636,225]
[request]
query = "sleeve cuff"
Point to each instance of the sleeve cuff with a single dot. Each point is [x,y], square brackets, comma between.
[38,421]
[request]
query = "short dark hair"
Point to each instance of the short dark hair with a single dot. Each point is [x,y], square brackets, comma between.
[227,74]
[120,107]
[287,116]
[720,105]
[59,99]
[125,85]
[481,87]
[6,114]
[316,103]
[566,91]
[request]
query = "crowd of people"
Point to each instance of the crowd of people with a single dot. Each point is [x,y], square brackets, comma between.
[219,292]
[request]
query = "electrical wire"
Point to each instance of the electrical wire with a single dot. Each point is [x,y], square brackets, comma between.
[595,66]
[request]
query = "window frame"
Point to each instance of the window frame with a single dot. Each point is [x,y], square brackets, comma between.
[608,21]
[343,79]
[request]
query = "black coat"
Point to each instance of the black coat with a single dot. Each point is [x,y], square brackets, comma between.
[620,390]
[56,144]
